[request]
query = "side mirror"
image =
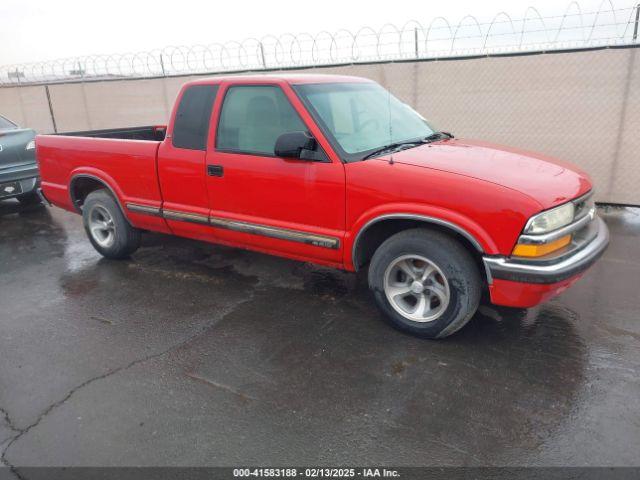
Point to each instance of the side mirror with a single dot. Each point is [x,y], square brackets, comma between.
[294,145]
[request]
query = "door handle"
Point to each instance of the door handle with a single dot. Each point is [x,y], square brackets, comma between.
[215,170]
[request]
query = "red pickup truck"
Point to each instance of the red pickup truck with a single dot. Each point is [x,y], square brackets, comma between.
[335,170]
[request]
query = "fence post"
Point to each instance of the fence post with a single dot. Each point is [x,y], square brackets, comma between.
[162,65]
[83,87]
[53,117]
[635,28]
[21,101]
[264,64]
[415,41]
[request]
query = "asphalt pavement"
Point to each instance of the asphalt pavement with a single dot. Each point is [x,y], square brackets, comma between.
[195,354]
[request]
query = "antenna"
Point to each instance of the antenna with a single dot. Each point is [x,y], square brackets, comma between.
[390,126]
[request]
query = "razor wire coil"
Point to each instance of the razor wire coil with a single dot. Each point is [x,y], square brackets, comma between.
[575,29]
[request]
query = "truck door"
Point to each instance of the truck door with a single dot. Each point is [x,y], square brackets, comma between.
[290,206]
[181,163]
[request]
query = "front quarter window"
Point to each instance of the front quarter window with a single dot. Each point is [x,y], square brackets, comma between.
[361,117]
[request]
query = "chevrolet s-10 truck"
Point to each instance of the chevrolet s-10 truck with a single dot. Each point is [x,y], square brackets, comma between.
[336,171]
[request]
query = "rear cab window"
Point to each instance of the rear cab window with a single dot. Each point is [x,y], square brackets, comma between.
[191,126]
[253,117]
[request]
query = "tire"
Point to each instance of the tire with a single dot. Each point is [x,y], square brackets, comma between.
[107,228]
[448,282]
[31,198]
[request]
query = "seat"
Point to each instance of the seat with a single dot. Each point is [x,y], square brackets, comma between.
[262,125]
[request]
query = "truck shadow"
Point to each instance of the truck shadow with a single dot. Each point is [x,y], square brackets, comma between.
[29,235]
[13,207]
[509,378]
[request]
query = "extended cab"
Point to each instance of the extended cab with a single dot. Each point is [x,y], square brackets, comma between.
[334,170]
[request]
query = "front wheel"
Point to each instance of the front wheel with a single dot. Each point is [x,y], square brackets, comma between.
[425,282]
[107,228]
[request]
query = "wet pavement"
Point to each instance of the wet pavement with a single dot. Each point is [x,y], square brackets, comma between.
[194,354]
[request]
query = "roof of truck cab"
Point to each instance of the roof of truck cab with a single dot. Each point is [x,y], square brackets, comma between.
[291,78]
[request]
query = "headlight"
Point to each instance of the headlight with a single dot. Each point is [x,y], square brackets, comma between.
[31,145]
[551,219]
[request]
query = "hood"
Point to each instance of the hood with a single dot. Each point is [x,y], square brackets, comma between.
[546,180]
[12,144]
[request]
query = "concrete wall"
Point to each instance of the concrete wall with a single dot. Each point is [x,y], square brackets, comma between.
[27,106]
[583,106]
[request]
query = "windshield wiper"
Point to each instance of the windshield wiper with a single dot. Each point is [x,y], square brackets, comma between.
[394,146]
[391,147]
[437,136]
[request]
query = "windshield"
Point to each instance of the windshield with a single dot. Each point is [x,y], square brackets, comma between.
[362,117]
[6,124]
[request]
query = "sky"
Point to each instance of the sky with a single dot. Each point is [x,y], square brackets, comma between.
[37,30]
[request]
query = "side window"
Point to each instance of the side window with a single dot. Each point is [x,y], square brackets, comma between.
[253,117]
[192,119]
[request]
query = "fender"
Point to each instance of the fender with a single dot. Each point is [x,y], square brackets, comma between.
[100,176]
[135,218]
[454,221]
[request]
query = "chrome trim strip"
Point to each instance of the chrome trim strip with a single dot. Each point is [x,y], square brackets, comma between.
[560,232]
[276,232]
[487,272]
[530,272]
[245,227]
[185,217]
[145,209]
[411,216]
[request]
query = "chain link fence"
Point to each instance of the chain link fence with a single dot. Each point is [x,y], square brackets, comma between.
[581,106]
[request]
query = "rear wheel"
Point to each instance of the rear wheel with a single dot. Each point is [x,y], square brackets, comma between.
[107,228]
[425,282]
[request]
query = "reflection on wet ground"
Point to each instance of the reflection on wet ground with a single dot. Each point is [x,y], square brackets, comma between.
[197,354]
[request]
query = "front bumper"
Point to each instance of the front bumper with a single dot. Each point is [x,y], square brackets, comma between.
[523,283]
[551,271]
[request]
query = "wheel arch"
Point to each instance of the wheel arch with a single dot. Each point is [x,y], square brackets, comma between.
[375,231]
[82,184]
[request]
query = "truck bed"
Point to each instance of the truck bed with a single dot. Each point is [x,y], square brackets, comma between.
[124,163]
[152,133]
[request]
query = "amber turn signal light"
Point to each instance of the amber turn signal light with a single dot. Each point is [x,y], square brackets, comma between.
[529,250]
